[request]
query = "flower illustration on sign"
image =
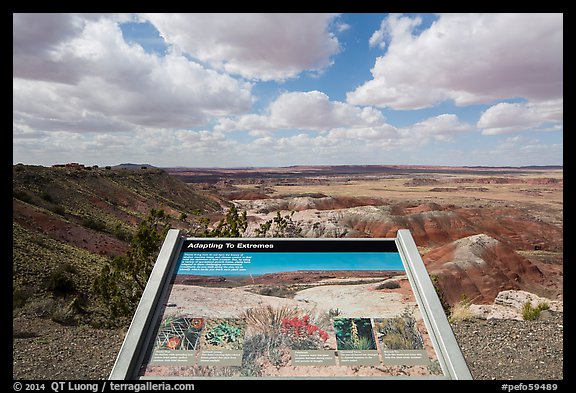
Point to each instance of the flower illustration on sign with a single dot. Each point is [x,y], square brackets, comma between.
[173,342]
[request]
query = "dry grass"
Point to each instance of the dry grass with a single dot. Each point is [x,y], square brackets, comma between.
[461,312]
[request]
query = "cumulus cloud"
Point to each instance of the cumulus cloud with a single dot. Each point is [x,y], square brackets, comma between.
[83,92]
[468,58]
[394,27]
[506,117]
[314,110]
[384,132]
[311,110]
[36,40]
[442,128]
[103,83]
[256,46]
[332,122]
[327,131]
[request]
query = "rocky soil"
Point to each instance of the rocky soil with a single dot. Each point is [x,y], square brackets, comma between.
[494,349]
[506,349]
[43,349]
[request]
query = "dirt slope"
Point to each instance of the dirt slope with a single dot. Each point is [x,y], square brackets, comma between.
[478,267]
[68,222]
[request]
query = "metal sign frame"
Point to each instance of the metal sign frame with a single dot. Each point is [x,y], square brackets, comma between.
[141,332]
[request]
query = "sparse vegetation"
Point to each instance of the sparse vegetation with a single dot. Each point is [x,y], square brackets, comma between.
[461,311]
[60,280]
[47,197]
[435,278]
[22,195]
[280,226]
[55,259]
[49,275]
[530,313]
[234,224]
[121,282]
[57,209]
[93,223]
[334,312]
[285,291]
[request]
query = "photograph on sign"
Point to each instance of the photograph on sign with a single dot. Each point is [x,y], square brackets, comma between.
[265,309]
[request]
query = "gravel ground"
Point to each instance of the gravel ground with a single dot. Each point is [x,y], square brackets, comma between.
[43,349]
[505,349]
[495,349]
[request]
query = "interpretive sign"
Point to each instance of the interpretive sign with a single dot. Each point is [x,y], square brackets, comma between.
[289,308]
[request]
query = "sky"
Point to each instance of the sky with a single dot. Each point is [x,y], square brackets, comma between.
[206,264]
[261,90]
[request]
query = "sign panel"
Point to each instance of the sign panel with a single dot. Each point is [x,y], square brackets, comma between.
[290,308]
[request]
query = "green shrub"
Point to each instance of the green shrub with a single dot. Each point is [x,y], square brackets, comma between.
[22,195]
[60,281]
[400,332]
[57,209]
[121,282]
[47,197]
[435,278]
[121,233]
[94,224]
[280,226]
[530,313]
[20,296]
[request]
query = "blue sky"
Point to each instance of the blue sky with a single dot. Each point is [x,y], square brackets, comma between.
[229,90]
[274,262]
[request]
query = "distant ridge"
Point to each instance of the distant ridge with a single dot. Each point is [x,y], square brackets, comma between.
[214,175]
[128,165]
[374,167]
[519,167]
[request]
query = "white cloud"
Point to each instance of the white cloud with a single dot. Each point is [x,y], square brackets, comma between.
[394,27]
[323,123]
[379,133]
[342,27]
[442,128]
[506,117]
[312,110]
[325,131]
[469,58]
[105,84]
[82,93]
[256,46]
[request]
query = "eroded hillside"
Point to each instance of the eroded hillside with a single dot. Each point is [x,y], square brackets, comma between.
[67,222]
[520,209]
